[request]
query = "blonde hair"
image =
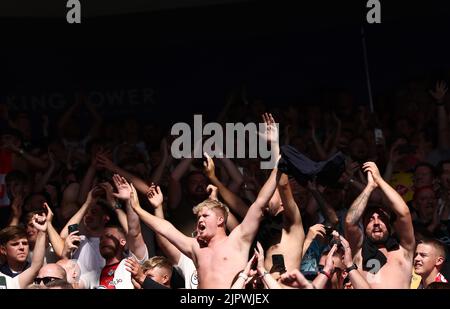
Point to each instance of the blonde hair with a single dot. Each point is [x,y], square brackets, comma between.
[157,261]
[213,204]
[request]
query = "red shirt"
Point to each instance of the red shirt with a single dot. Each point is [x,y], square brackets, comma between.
[107,276]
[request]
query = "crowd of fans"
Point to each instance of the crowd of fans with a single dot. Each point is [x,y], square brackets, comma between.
[103,204]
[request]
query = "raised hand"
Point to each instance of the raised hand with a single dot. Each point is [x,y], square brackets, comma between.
[329,263]
[373,174]
[72,242]
[16,206]
[109,191]
[347,259]
[155,196]
[102,161]
[209,166]
[93,195]
[134,198]
[439,91]
[271,128]
[49,212]
[212,190]
[317,229]
[40,222]
[123,188]
[259,251]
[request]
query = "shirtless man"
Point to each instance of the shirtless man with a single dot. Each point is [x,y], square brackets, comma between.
[291,236]
[382,261]
[283,240]
[217,257]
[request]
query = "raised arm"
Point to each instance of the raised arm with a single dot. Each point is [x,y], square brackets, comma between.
[16,210]
[135,240]
[34,161]
[115,205]
[166,229]
[137,182]
[28,275]
[232,221]
[439,94]
[325,207]
[351,227]
[175,192]
[88,179]
[56,240]
[166,159]
[237,179]
[231,199]
[78,216]
[156,198]
[42,181]
[403,223]
[356,278]
[249,226]
[291,211]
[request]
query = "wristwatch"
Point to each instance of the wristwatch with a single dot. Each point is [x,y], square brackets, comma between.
[117,205]
[349,269]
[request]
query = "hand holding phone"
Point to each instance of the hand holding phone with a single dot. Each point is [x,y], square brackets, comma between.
[278,263]
[74,228]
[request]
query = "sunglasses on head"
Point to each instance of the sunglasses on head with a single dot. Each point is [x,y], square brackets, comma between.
[45,280]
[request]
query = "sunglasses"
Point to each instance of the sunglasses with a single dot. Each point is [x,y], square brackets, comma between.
[45,280]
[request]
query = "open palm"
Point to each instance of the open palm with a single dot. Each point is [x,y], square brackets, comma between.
[123,188]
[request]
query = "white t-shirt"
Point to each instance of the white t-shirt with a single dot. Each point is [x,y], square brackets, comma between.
[122,277]
[88,255]
[187,269]
[11,283]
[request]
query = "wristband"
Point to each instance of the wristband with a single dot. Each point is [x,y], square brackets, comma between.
[349,269]
[243,276]
[264,273]
[325,273]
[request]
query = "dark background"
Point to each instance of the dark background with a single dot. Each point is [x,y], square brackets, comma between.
[284,51]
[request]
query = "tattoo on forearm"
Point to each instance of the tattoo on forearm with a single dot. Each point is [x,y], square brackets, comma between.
[356,210]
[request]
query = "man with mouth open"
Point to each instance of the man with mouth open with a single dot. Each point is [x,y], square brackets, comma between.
[384,261]
[217,256]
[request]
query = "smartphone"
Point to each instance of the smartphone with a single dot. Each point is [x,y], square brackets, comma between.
[378,136]
[74,228]
[278,263]
[3,285]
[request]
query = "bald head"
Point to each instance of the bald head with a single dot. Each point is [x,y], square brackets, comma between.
[72,269]
[52,270]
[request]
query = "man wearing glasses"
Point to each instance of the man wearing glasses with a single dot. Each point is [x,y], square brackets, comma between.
[49,273]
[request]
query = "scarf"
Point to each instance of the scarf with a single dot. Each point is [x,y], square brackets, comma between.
[370,251]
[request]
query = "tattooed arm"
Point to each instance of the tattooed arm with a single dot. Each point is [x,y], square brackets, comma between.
[353,233]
